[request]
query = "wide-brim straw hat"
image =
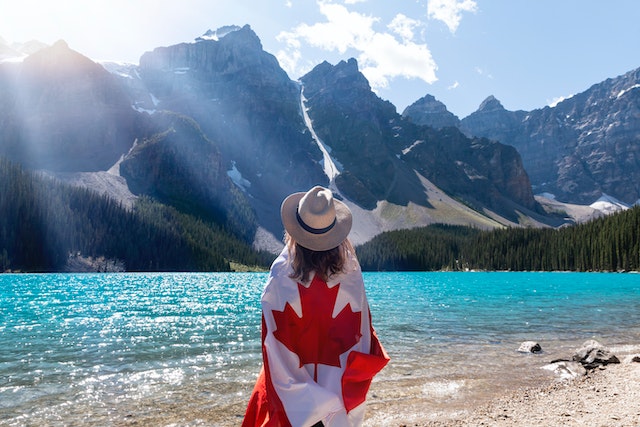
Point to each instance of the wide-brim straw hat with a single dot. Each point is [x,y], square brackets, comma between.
[315,220]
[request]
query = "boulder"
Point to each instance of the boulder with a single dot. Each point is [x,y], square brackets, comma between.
[566,369]
[593,354]
[530,347]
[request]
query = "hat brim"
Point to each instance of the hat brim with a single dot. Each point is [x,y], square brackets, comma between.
[315,242]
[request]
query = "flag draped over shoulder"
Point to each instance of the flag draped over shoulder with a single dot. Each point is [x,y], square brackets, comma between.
[320,351]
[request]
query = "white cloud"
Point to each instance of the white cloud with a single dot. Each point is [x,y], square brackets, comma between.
[455,85]
[403,26]
[381,55]
[384,58]
[450,11]
[483,72]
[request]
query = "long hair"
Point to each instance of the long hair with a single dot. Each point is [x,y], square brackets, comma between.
[324,263]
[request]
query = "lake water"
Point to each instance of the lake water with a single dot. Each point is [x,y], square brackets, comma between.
[184,349]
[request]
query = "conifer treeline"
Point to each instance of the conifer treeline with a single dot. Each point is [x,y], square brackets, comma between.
[610,243]
[43,222]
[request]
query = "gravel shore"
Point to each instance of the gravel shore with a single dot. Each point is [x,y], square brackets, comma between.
[607,396]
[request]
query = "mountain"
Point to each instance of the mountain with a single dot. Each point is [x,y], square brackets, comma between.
[247,105]
[275,134]
[217,130]
[6,51]
[385,157]
[179,166]
[17,51]
[428,111]
[584,147]
[63,112]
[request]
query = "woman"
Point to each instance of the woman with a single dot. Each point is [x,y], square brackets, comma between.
[319,349]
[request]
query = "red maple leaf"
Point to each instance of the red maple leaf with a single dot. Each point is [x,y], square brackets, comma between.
[317,337]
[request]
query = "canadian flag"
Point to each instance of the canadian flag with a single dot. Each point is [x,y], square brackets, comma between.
[320,351]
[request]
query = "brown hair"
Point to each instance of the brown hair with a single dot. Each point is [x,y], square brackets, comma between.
[324,263]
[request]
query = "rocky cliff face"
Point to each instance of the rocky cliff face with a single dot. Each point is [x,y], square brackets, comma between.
[247,105]
[381,151]
[585,146]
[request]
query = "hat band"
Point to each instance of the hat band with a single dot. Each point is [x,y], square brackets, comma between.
[311,229]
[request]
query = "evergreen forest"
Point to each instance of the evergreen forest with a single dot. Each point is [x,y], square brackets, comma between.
[45,223]
[610,243]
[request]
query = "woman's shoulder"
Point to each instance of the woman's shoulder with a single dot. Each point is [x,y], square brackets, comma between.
[280,268]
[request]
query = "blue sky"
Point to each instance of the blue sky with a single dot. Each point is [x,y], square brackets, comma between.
[527,53]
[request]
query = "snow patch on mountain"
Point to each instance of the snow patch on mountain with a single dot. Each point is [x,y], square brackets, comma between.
[555,101]
[609,204]
[216,35]
[604,205]
[130,74]
[408,149]
[11,59]
[622,92]
[237,177]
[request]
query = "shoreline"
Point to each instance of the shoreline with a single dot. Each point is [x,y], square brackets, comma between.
[608,395]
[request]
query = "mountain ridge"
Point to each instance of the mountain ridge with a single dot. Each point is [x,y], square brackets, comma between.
[577,150]
[268,136]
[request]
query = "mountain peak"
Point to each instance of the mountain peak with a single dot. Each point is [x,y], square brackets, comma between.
[216,35]
[430,112]
[61,61]
[490,104]
[344,75]
[431,104]
[233,35]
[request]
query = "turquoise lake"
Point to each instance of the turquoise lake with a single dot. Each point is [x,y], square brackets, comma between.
[184,349]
